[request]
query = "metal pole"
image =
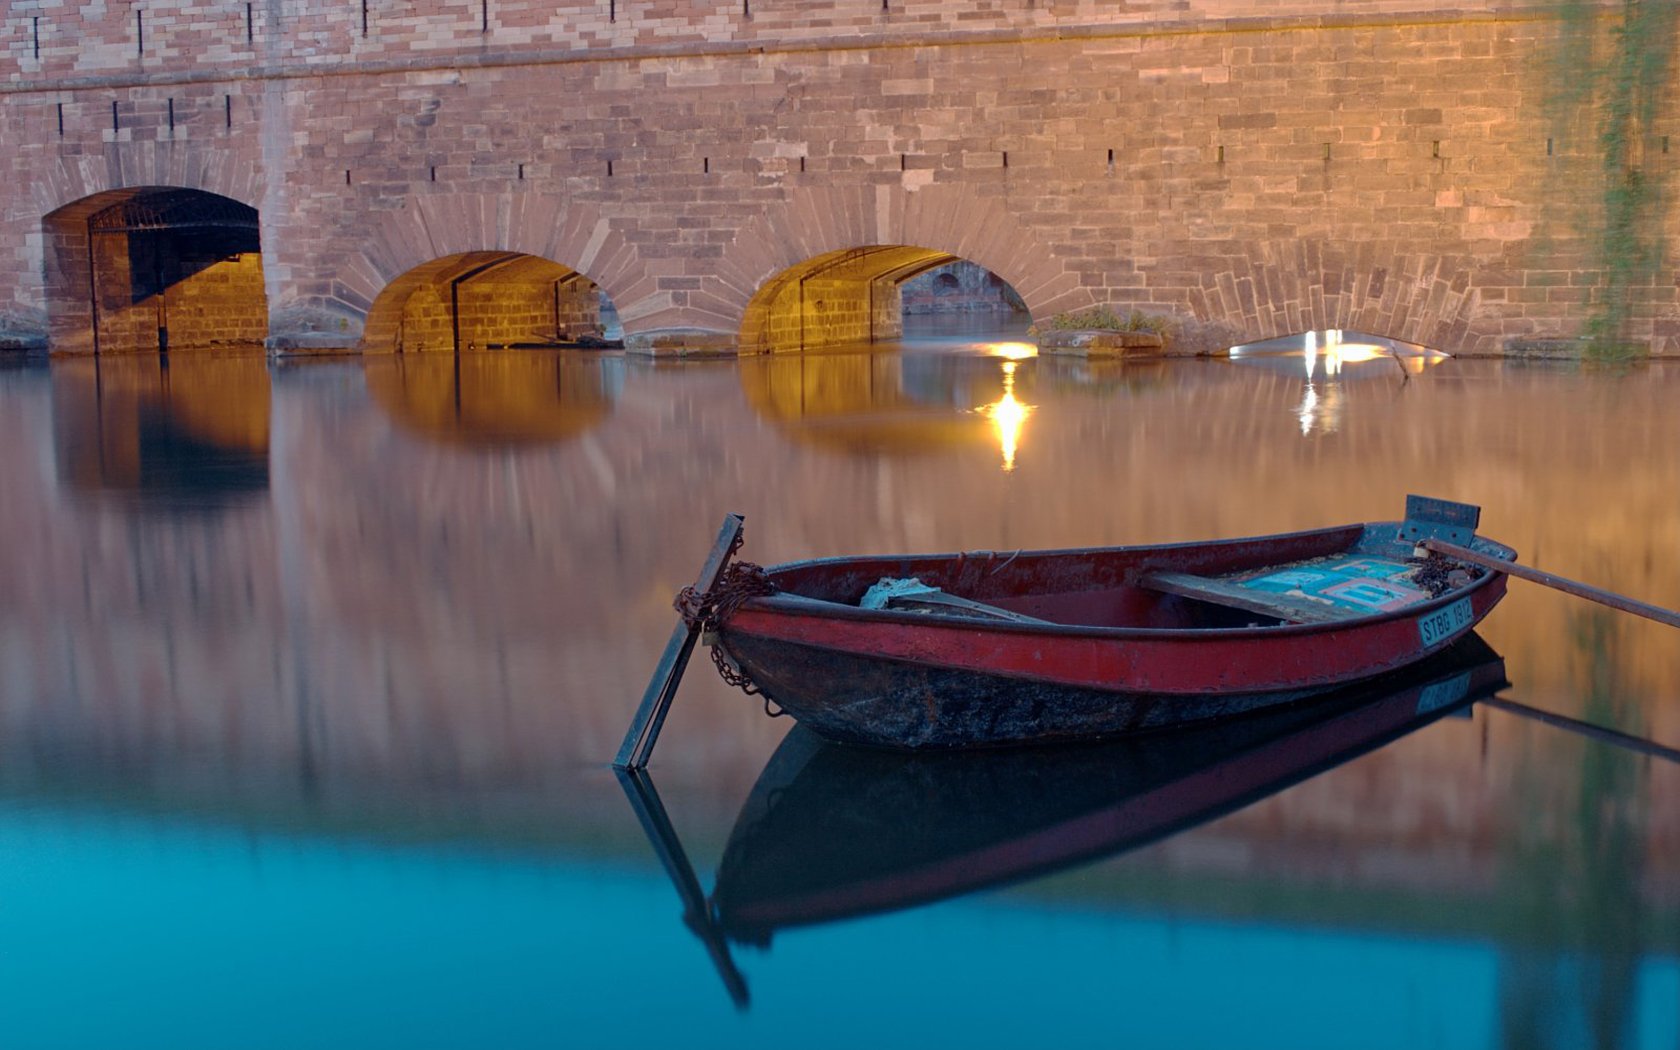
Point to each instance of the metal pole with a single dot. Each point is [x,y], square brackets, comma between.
[662,687]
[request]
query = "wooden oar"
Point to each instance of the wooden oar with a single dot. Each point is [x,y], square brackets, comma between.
[1557,583]
[662,688]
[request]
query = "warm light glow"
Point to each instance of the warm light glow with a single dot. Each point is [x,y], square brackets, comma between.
[1311,352]
[1011,351]
[1008,416]
[1309,406]
[1339,354]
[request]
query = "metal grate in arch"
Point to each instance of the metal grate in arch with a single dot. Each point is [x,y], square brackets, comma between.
[173,210]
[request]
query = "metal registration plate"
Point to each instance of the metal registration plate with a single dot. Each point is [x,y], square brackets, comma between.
[1442,624]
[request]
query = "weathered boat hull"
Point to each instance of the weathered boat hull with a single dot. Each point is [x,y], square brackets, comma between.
[900,680]
[861,699]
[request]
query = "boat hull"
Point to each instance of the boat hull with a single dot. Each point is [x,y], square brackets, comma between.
[889,679]
[880,702]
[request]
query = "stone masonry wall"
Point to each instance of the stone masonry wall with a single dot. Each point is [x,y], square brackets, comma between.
[499,313]
[221,304]
[58,38]
[1253,168]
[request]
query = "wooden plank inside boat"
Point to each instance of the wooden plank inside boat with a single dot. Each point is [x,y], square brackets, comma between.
[1220,592]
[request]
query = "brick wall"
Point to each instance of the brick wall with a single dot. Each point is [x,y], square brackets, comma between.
[458,305]
[56,38]
[1255,169]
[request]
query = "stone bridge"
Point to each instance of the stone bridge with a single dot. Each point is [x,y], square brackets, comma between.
[434,174]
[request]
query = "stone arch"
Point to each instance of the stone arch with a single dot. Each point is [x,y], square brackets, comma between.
[483,301]
[135,165]
[433,226]
[153,267]
[73,189]
[948,222]
[1273,289]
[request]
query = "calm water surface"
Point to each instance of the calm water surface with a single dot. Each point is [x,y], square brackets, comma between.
[309,675]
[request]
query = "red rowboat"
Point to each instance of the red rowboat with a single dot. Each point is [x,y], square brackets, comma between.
[830,832]
[990,649]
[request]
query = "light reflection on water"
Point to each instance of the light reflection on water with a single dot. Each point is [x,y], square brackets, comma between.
[326,748]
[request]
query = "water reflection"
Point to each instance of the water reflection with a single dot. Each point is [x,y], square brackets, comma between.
[833,832]
[1330,359]
[182,431]
[893,402]
[1576,888]
[509,397]
[368,711]
[1097,375]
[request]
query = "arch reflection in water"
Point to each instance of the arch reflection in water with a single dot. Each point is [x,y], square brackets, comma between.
[895,402]
[183,431]
[506,398]
[832,832]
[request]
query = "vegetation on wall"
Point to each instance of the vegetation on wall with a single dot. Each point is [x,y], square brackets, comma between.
[1104,319]
[1607,78]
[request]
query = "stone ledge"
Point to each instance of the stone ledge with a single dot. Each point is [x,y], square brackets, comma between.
[1543,348]
[1538,348]
[683,342]
[1098,342]
[22,343]
[305,344]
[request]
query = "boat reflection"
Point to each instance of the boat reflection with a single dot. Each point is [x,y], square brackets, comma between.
[180,432]
[898,402]
[496,399]
[832,832]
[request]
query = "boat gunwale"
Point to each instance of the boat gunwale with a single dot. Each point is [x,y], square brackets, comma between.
[788,603]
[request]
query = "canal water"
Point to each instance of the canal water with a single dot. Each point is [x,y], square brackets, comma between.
[310,674]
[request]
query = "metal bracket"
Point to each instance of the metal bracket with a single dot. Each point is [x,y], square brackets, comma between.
[1439,519]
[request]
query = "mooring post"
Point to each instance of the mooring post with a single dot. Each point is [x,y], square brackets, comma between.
[662,688]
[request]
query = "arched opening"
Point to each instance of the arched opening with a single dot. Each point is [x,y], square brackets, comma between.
[1326,361]
[154,269]
[960,287]
[1330,352]
[862,296]
[490,300]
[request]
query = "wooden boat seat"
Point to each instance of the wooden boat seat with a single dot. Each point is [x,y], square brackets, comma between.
[1220,592]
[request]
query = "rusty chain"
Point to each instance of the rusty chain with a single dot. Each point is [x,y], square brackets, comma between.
[708,611]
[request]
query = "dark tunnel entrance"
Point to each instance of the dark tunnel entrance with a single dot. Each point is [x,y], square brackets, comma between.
[155,270]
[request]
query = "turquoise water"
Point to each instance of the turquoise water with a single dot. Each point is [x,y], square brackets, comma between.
[309,675]
[152,931]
